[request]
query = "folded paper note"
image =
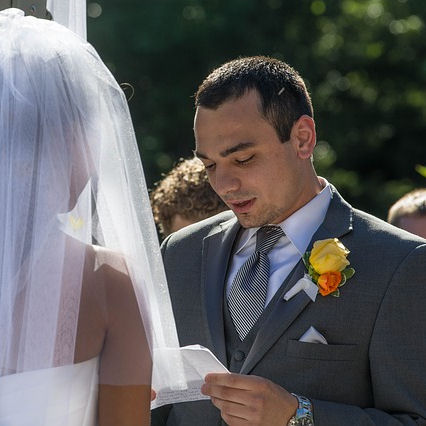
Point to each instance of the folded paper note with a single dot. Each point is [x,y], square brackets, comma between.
[197,361]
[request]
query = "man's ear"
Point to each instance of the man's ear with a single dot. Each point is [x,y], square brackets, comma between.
[303,136]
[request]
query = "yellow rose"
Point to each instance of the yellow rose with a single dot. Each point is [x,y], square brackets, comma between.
[328,256]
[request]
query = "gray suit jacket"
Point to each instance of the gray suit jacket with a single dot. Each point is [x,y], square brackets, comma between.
[372,372]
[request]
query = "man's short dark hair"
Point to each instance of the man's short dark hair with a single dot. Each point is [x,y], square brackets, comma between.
[281,89]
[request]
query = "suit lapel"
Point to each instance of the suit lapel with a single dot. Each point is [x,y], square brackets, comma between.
[280,318]
[217,248]
[338,222]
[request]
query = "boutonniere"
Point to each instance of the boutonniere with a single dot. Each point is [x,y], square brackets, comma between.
[327,265]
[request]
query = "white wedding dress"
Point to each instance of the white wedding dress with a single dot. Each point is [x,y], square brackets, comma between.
[61,396]
[65,126]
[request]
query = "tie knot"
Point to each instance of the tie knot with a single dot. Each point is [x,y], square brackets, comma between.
[267,237]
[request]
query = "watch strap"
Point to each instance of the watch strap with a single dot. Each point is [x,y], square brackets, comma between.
[304,413]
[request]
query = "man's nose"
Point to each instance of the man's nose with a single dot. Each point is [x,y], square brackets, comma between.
[226,183]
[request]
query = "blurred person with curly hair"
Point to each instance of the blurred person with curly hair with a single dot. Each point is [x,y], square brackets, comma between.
[184,196]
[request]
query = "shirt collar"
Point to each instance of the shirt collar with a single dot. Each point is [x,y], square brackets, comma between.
[302,224]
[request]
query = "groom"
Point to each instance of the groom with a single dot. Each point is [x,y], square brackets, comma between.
[296,357]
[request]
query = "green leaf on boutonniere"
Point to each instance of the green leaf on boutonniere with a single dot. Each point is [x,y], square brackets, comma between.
[336,293]
[348,273]
[314,274]
[305,259]
[343,282]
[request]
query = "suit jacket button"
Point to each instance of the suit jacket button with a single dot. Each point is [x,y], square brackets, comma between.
[239,355]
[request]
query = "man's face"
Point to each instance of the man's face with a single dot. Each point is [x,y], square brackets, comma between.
[260,178]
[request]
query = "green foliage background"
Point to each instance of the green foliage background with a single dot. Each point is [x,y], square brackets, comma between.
[364,62]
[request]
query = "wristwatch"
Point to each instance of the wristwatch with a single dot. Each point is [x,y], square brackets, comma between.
[303,416]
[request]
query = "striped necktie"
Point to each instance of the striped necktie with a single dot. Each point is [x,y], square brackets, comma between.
[247,297]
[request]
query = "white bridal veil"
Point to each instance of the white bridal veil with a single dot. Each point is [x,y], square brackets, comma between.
[73,201]
[70,13]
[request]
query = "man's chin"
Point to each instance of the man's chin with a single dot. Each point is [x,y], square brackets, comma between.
[252,220]
[248,221]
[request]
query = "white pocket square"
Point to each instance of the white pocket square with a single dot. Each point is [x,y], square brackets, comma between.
[311,335]
[307,285]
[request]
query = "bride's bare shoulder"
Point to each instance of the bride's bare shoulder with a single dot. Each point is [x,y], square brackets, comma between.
[106,259]
[106,295]
[105,271]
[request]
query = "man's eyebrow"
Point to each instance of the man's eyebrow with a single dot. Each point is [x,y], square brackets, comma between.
[239,147]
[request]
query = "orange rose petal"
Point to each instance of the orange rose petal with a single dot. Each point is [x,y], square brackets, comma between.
[329,282]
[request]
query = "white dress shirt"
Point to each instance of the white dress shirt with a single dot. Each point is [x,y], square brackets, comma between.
[298,229]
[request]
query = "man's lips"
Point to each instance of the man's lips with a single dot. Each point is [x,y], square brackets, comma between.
[241,206]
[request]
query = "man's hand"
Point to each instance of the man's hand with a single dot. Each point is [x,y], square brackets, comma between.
[249,400]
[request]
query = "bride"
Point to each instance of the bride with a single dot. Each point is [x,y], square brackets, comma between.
[83,298]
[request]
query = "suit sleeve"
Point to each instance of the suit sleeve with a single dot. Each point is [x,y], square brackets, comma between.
[160,415]
[397,356]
